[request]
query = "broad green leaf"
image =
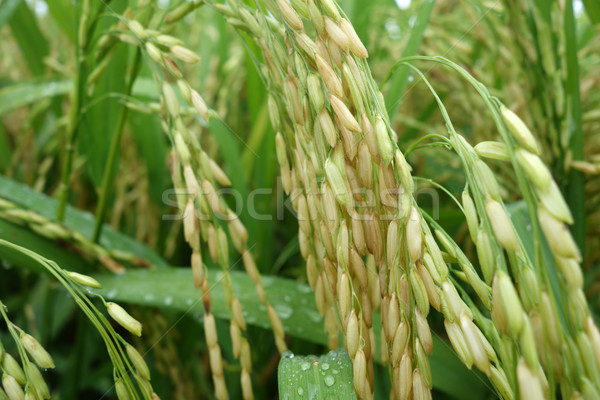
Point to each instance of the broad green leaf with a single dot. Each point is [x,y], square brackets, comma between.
[312,377]
[80,221]
[31,40]
[172,289]
[399,78]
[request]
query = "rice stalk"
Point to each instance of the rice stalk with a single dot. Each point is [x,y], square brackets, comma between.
[23,380]
[318,136]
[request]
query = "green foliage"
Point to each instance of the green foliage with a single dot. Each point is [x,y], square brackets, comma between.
[327,376]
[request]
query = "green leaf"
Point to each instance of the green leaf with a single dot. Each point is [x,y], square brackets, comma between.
[31,40]
[592,7]
[152,148]
[21,94]
[63,13]
[312,377]
[98,124]
[574,188]
[24,237]
[521,219]
[7,9]
[172,289]
[400,75]
[360,13]
[24,93]
[80,221]
[230,145]
[5,150]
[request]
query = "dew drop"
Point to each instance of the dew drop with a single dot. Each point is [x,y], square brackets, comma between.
[189,302]
[287,298]
[148,297]
[329,380]
[304,366]
[111,294]
[168,301]
[300,391]
[287,354]
[284,311]
[325,366]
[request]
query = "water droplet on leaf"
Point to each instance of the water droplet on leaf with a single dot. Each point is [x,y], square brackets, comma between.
[329,380]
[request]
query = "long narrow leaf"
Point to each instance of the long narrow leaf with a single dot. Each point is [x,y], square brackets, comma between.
[575,189]
[7,8]
[400,76]
[21,94]
[31,40]
[81,221]
[592,7]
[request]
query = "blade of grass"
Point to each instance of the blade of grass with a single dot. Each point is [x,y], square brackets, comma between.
[111,163]
[23,93]
[63,13]
[171,289]
[360,16]
[26,238]
[575,187]
[100,123]
[85,31]
[5,150]
[399,78]
[31,40]
[592,7]
[152,148]
[74,219]
[262,172]
[7,8]
[230,144]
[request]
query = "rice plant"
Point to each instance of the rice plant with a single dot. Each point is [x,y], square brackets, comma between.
[367,200]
